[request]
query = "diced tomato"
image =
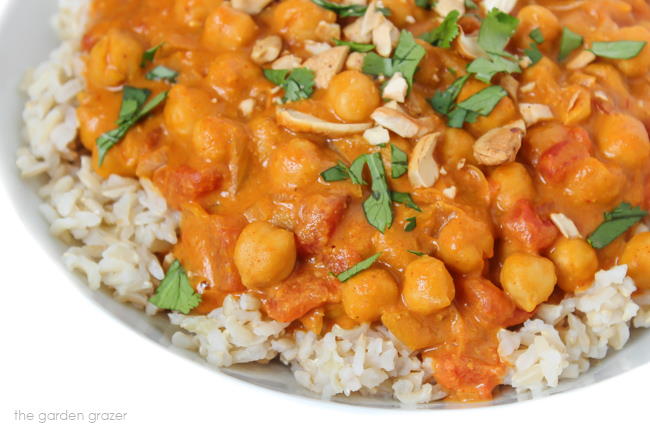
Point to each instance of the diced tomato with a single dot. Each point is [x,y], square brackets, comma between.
[557,160]
[524,225]
[339,258]
[303,291]
[317,219]
[469,379]
[206,250]
[182,184]
[484,300]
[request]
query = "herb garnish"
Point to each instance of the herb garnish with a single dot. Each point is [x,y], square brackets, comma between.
[533,52]
[617,49]
[297,83]
[377,206]
[347,10]
[175,291]
[132,110]
[494,34]
[399,162]
[355,46]
[406,58]
[162,73]
[148,56]
[569,42]
[479,104]
[443,35]
[469,4]
[358,268]
[417,253]
[405,199]
[411,224]
[617,222]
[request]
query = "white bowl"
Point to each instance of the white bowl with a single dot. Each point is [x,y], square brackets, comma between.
[26,39]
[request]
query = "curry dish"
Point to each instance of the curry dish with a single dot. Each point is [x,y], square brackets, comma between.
[441,168]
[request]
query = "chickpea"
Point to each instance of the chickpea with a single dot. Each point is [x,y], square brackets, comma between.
[637,258]
[457,144]
[353,96]
[463,244]
[193,13]
[623,139]
[510,183]
[264,254]
[366,295]
[528,279]
[297,20]
[216,138]
[639,65]
[503,113]
[114,59]
[295,164]
[590,181]
[227,29]
[575,263]
[428,286]
[184,107]
[532,17]
[232,75]
[430,67]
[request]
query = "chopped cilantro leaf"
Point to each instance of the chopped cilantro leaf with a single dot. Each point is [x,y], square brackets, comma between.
[347,10]
[617,49]
[175,291]
[162,73]
[132,110]
[148,56]
[355,46]
[486,67]
[405,199]
[406,58]
[617,222]
[411,224]
[335,174]
[496,30]
[358,268]
[443,101]
[536,35]
[377,207]
[443,35]
[399,162]
[484,101]
[469,4]
[569,42]
[417,253]
[297,83]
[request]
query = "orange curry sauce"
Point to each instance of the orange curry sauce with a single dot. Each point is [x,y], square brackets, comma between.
[225,165]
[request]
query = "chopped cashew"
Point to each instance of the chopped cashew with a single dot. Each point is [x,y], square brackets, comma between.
[503,5]
[396,88]
[266,49]
[601,95]
[377,135]
[352,32]
[525,62]
[315,48]
[423,170]
[529,87]
[372,18]
[468,46]
[582,59]
[449,192]
[327,64]
[355,61]
[566,226]
[443,7]
[327,31]
[385,37]
[400,123]
[287,62]
[500,145]
[533,113]
[510,85]
[246,107]
[303,122]
[250,6]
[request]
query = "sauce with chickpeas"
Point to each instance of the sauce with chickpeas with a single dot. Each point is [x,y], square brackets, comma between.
[378,164]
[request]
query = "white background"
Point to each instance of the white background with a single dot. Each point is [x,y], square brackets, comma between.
[58,352]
